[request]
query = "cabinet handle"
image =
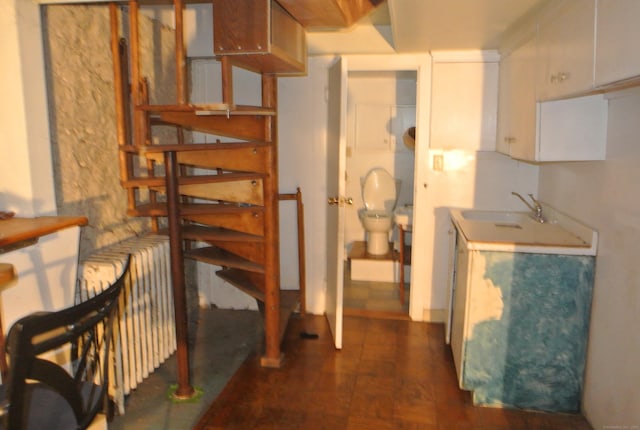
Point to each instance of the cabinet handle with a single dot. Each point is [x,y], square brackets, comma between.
[510,140]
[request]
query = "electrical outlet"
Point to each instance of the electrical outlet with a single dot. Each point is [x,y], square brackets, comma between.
[438,162]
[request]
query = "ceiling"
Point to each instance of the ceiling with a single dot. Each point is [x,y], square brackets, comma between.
[405,25]
[425,25]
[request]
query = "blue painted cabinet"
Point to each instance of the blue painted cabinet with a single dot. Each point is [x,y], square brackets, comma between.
[519,327]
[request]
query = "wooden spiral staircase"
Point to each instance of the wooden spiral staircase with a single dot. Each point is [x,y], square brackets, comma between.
[218,201]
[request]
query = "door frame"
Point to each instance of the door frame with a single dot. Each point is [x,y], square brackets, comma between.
[422,237]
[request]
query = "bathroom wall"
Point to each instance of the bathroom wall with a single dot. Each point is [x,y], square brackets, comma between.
[380,107]
[604,195]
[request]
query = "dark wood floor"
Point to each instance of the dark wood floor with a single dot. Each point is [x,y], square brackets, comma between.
[389,375]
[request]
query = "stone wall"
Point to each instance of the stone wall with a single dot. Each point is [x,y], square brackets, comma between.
[82,112]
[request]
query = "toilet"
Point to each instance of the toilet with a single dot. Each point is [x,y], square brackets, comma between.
[379,194]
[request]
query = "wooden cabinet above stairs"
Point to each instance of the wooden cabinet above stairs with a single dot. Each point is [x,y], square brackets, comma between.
[218,201]
[259,35]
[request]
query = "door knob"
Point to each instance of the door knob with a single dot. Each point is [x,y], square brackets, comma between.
[340,201]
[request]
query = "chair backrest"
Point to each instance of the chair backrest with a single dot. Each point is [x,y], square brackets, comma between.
[42,392]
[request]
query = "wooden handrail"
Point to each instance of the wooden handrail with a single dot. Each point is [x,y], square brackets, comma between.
[302,271]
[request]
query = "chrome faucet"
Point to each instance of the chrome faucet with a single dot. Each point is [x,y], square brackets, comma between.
[536,208]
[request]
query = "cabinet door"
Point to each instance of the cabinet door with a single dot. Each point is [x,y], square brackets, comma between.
[503,132]
[460,304]
[617,38]
[565,49]
[522,101]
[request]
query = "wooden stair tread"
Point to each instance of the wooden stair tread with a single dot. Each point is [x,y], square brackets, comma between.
[160,209]
[159,181]
[151,149]
[241,281]
[244,127]
[289,299]
[217,234]
[216,256]
[210,110]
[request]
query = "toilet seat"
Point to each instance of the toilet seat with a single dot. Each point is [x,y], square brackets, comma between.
[379,194]
[379,191]
[377,214]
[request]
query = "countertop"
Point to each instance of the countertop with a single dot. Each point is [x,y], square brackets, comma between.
[559,235]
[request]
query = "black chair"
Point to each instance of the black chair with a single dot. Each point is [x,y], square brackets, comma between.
[40,394]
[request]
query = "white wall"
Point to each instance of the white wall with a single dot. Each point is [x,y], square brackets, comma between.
[605,196]
[463,129]
[26,175]
[45,271]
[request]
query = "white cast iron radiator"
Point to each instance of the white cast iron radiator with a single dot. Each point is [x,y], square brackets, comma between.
[145,333]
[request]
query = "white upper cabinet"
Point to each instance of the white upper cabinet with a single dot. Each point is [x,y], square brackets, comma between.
[565,49]
[547,109]
[558,130]
[618,33]
[517,103]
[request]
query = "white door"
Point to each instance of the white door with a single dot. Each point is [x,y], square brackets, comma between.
[336,186]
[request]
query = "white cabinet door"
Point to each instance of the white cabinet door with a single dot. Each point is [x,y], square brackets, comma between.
[565,49]
[518,110]
[460,305]
[557,130]
[503,133]
[618,33]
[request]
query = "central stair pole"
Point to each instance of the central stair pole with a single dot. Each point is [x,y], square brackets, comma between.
[184,390]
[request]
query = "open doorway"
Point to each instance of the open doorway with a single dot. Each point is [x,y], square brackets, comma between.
[381,108]
[339,200]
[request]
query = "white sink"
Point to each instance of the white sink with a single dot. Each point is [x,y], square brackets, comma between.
[496,217]
[403,216]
